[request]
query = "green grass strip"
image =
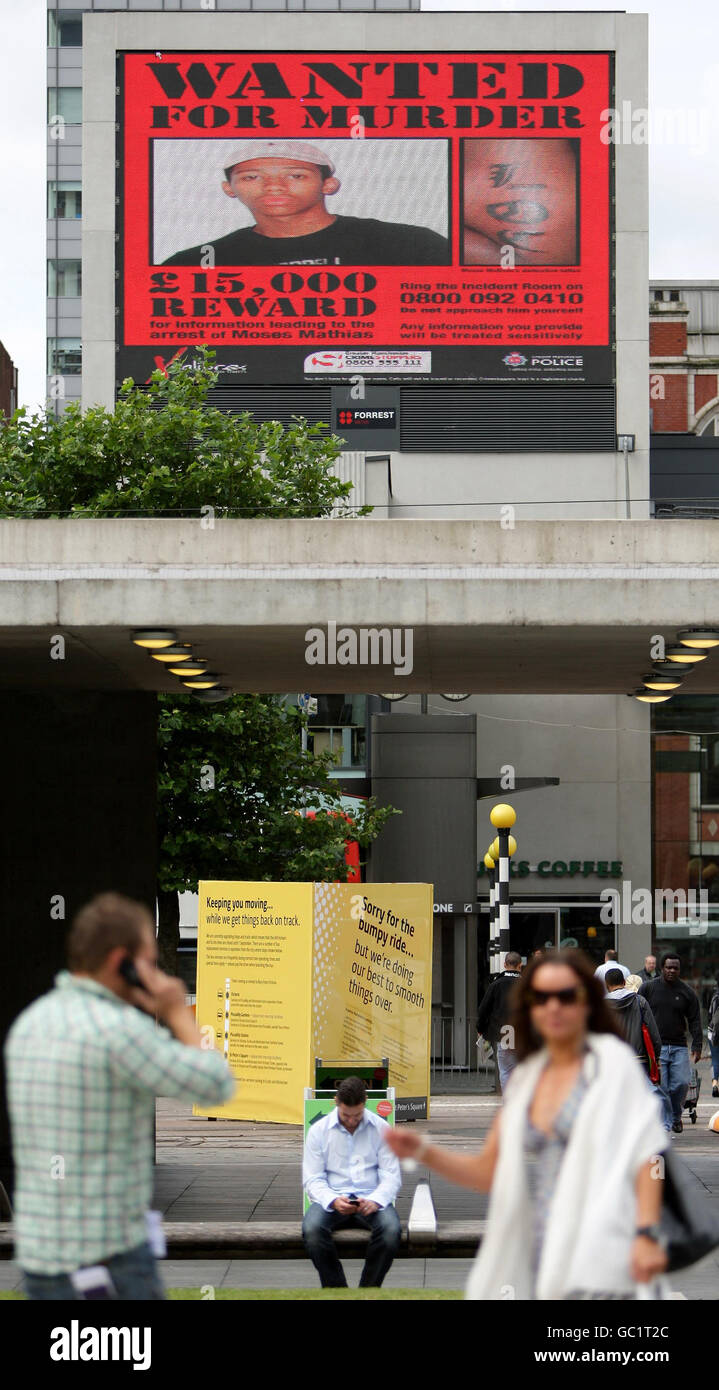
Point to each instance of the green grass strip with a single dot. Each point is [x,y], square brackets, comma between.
[298,1295]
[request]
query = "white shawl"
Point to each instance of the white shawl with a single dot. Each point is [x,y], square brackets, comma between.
[592,1217]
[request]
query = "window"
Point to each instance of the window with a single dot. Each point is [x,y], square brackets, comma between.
[64,199]
[64,357]
[65,102]
[339,727]
[64,279]
[64,29]
[710,771]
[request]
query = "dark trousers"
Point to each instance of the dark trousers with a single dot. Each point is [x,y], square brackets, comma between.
[318,1229]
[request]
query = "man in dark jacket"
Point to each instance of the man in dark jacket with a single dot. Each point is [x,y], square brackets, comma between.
[495,1012]
[675,1008]
[632,1012]
[650,971]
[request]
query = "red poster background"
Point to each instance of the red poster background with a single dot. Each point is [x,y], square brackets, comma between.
[491,306]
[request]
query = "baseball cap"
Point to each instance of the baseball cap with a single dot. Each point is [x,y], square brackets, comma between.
[278,149]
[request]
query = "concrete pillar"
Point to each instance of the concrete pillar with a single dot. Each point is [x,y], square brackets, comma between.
[426,765]
[79,786]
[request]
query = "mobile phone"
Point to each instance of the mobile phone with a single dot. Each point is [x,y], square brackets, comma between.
[94,1282]
[129,973]
[353,1201]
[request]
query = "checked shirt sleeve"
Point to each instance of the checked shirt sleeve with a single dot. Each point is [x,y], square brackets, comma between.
[150,1059]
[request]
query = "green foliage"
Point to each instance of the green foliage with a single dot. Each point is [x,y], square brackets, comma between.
[164,452]
[246,825]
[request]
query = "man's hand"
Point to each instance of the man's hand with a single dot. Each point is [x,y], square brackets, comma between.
[162,994]
[367,1208]
[696,1058]
[344,1206]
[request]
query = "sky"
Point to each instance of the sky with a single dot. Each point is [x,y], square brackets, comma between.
[684,169]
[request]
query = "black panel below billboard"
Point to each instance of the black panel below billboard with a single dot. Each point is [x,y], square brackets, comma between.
[370,422]
[440,418]
[550,365]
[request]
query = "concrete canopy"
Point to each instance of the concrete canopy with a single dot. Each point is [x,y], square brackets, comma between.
[553,606]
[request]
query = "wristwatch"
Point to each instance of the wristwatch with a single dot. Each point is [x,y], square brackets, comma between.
[651,1233]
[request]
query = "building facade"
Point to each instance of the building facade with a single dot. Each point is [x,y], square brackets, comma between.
[684,357]
[509,448]
[8,383]
[684,401]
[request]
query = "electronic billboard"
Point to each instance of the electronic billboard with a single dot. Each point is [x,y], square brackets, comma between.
[414,217]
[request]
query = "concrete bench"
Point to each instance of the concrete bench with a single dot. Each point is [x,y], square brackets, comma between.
[282,1240]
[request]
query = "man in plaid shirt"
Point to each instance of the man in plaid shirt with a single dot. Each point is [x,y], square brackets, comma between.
[84,1064]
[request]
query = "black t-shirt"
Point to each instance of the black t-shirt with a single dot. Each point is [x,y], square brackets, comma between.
[347,241]
[674,1007]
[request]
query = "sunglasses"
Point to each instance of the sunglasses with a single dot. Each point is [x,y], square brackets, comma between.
[572,995]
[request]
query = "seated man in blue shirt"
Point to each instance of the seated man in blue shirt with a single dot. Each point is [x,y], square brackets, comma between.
[351,1178]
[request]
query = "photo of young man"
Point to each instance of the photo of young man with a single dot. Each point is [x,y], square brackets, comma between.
[520,193]
[284,184]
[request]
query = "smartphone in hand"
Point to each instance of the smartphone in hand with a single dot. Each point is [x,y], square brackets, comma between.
[129,973]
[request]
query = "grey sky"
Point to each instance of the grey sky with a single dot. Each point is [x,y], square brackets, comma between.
[684,169]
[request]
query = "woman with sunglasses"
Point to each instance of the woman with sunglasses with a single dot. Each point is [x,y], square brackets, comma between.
[571,1160]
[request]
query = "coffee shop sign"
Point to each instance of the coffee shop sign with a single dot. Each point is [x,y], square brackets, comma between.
[563,868]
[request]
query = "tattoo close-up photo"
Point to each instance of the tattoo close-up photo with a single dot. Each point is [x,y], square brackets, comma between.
[521,194]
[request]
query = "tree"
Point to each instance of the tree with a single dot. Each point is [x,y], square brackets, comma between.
[233,782]
[164,451]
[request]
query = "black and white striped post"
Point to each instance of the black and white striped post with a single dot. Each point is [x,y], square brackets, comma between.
[502,818]
[491,868]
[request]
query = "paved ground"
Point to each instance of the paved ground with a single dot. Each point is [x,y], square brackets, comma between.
[240,1171]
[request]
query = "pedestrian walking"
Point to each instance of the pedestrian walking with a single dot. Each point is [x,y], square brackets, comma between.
[713,1036]
[649,971]
[84,1065]
[676,1008]
[610,962]
[493,1018]
[576,1192]
[636,1021]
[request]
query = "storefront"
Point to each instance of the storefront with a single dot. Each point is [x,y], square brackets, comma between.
[686,834]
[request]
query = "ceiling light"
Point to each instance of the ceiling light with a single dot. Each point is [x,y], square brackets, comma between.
[170,654]
[650,697]
[664,680]
[194,667]
[204,682]
[684,654]
[154,637]
[699,637]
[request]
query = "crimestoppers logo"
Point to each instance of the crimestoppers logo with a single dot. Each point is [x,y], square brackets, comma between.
[366,360]
[514,359]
